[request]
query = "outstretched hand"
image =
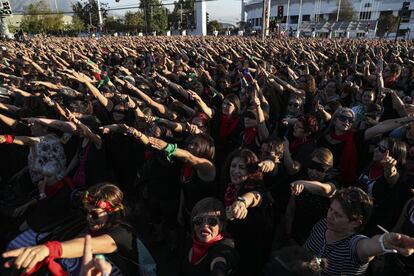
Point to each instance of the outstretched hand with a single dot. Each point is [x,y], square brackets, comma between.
[93,266]
[27,257]
[402,243]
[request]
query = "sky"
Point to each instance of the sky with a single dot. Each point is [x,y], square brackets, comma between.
[226,11]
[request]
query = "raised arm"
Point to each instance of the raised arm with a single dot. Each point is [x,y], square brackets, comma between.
[19,140]
[53,123]
[205,168]
[315,187]
[201,104]
[261,123]
[8,121]
[27,257]
[367,249]
[386,126]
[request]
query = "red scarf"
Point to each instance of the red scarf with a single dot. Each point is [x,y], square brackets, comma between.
[296,143]
[249,135]
[147,155]
[227,126]
[80,175]
[391,81]
[376,171]
[200,248]
[55,188]
[187,173]
[348,162]
[231,194]
[55,252]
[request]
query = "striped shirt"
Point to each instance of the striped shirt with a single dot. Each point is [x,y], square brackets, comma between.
[342,255]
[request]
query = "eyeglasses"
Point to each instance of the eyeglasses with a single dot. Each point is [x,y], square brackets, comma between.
[344,119]
[294,105]
[381,148]
[211,221]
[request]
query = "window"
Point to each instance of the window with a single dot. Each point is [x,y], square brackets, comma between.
[367,5]
[294,19]
[306,17]
[365,15]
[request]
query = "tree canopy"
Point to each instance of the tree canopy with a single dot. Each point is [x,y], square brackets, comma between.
[37,19]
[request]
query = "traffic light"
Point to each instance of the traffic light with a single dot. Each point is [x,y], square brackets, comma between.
[280,12]
[5,8]
[405,11]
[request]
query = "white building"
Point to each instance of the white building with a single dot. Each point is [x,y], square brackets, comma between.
[300,12]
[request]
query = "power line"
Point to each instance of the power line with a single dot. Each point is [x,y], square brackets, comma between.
[109,9]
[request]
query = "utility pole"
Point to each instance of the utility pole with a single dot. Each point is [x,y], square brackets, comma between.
[287,15]
[299,19]
[181,16]
[339,8]
[265,18]
[100,15]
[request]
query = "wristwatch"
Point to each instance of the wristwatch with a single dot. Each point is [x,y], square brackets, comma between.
[242,199]
[385,250]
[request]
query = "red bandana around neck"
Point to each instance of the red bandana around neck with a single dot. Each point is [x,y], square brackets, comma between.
[249,135]
[200,249]
[187,173]
[55,188]
[391,81]
[376,171]
[348,162]
[296,143]
[227,126]
[231,194]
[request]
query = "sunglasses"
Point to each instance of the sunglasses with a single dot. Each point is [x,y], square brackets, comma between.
[211,221]
[294,105]
[344,119]
[381,149]
[94,215]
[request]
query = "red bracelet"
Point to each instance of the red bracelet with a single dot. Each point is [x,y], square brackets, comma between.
[9,139]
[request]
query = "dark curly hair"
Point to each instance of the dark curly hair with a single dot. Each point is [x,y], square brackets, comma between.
[356,204]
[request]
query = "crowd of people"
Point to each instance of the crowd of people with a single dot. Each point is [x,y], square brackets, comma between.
[249,157]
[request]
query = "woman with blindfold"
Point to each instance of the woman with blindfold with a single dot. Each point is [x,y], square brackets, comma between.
[247,204]
[310,196]
[212,253]
[110,236]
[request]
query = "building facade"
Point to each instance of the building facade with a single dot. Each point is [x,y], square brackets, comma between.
[298,13]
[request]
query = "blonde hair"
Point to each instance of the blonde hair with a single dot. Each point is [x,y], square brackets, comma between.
[323,155]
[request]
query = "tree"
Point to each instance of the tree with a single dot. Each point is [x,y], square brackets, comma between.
[214,26]
[37,19]
[155,16]
[87,11]
[183,9]
[114,24]
[346,11]
[134,21]
[77,25]
[386,23]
